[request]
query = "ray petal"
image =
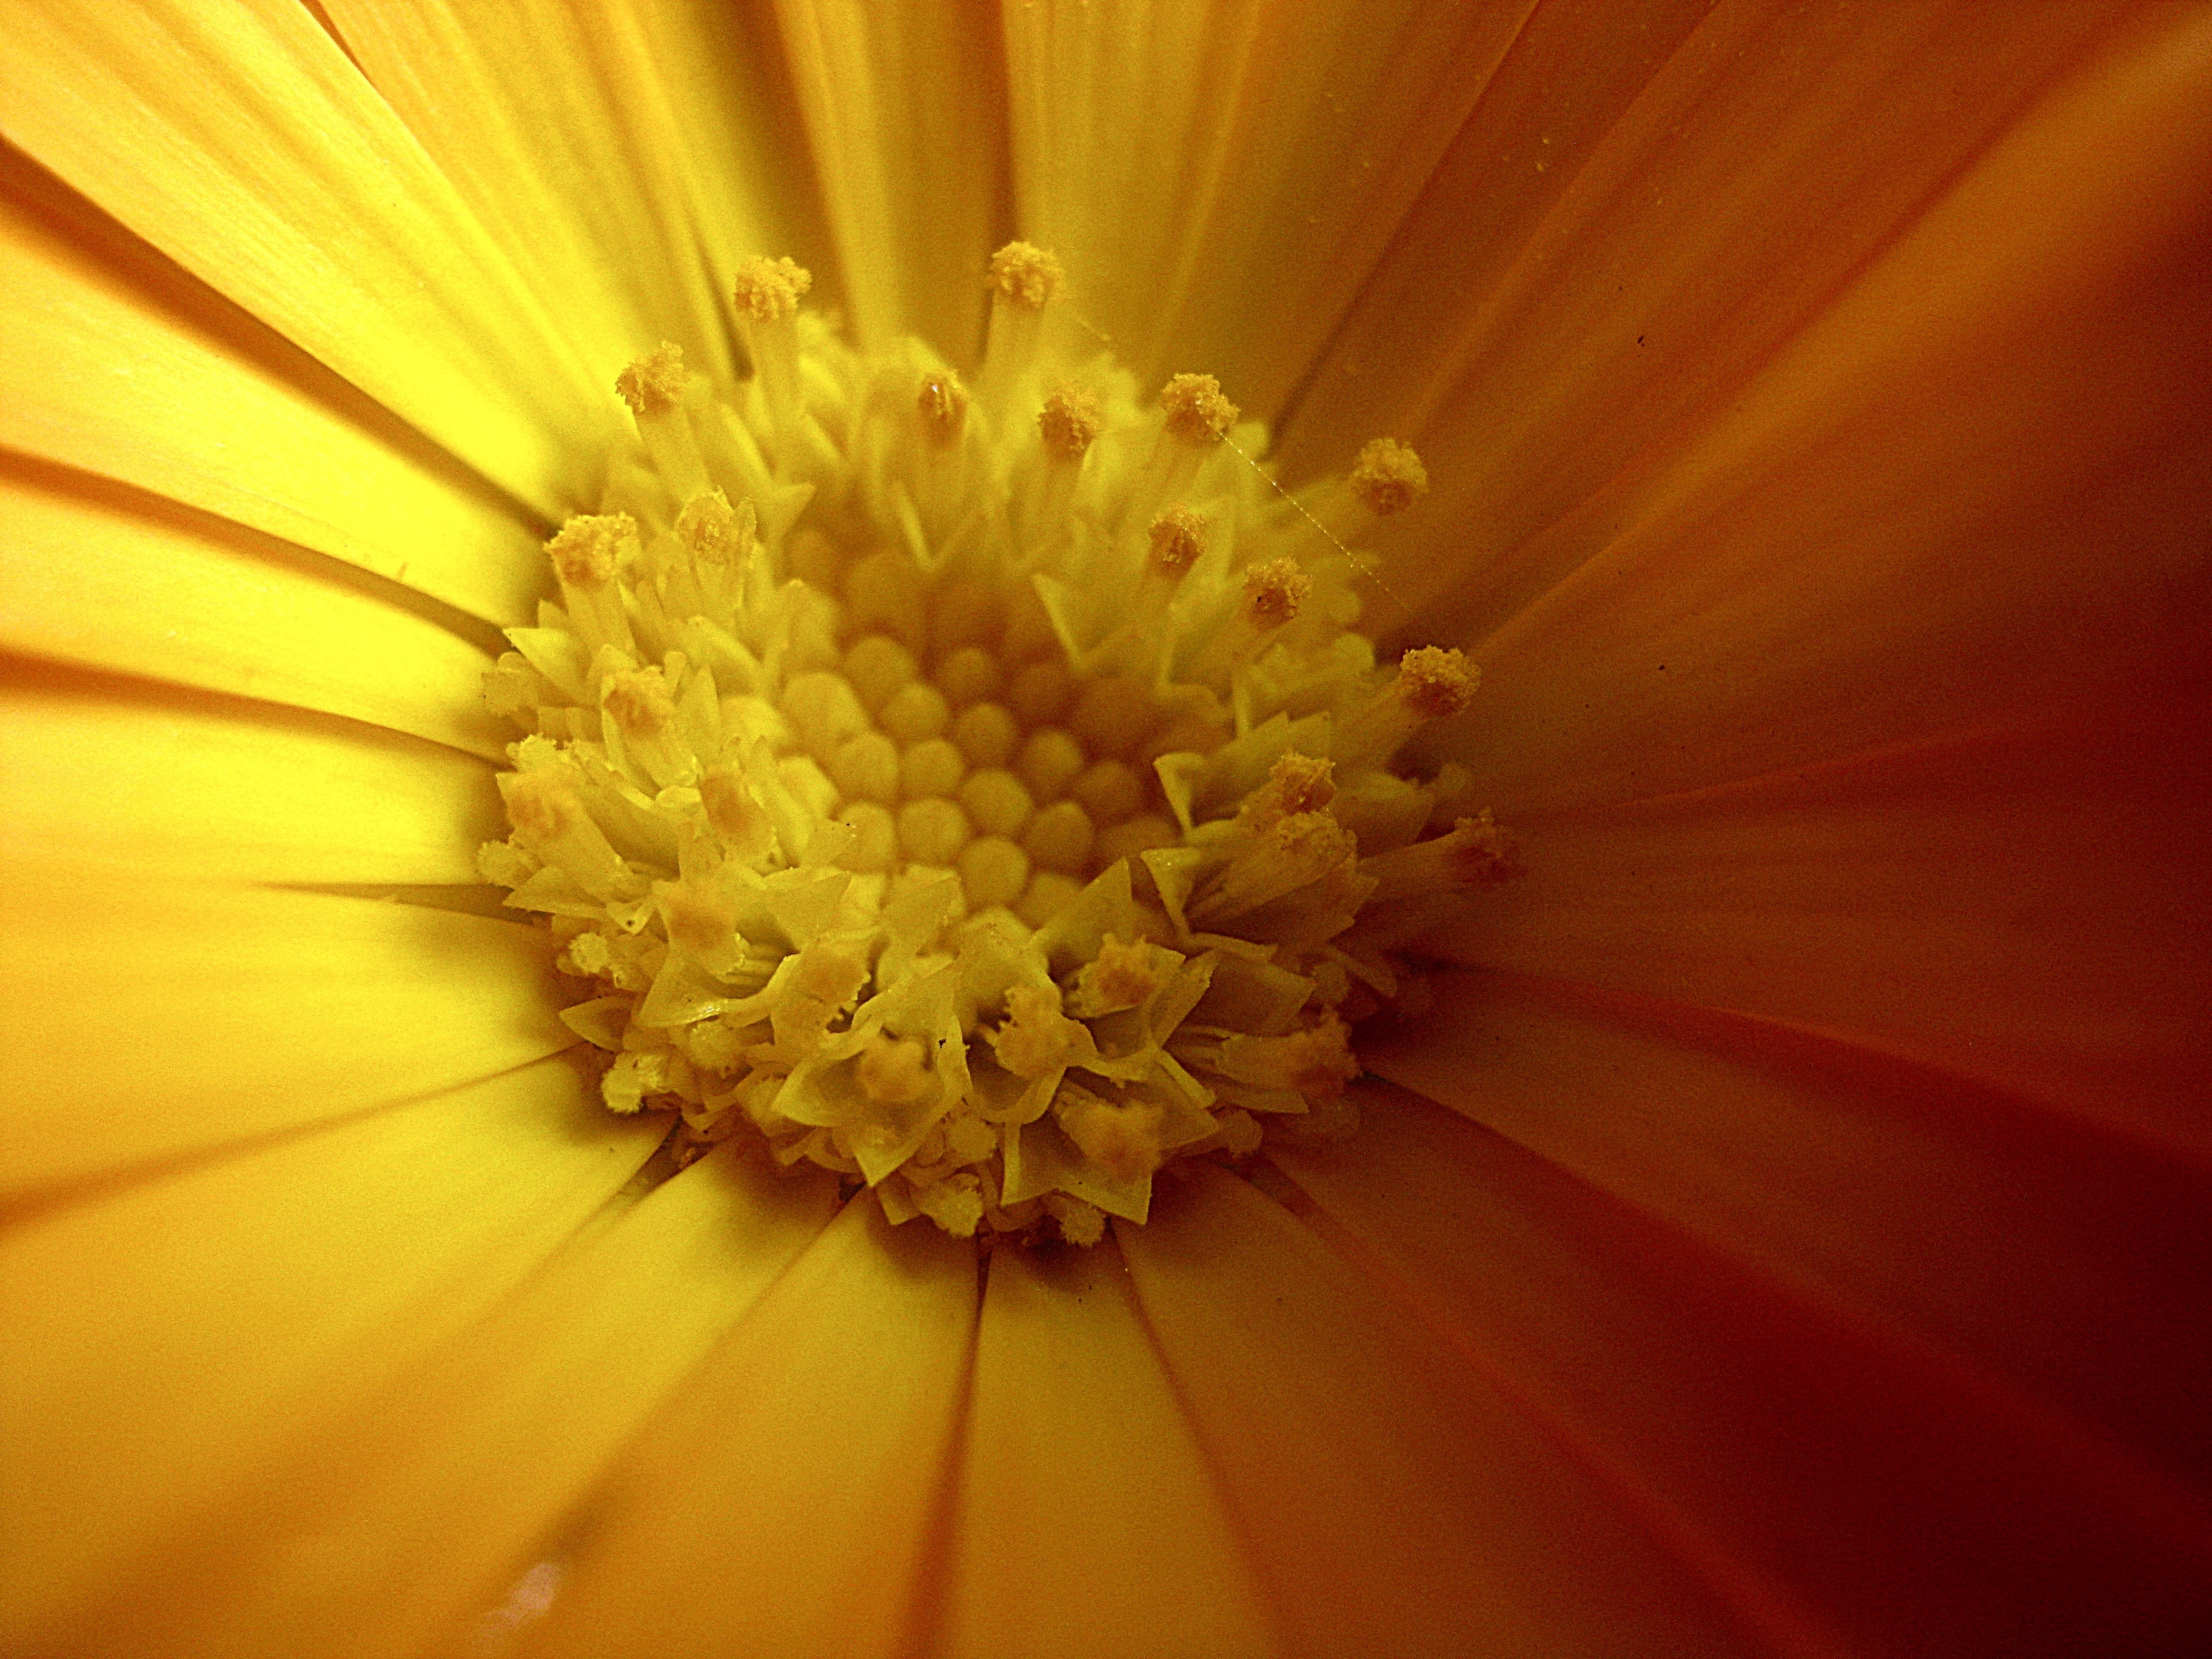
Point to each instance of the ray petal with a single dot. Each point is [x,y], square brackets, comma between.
[163,1338]
[1396,1502]
[1085,1503]
[805,1459]
[241,141]
[146,1018]
[1887,1502]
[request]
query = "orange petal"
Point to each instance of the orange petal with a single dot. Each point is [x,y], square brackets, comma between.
[2066,1259]
[804,1461]
[1282,145]
[1085,1504]
[143,1018]
[1884,1499]
[1396,1502]
[1972,488]
[163,1338]
[391,1526]
[2032,905]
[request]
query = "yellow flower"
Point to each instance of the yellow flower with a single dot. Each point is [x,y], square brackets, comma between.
[1787,1233]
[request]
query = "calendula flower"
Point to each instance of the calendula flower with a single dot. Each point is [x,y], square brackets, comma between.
[760,486]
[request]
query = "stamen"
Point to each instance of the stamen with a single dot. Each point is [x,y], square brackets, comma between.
[968,813]
[1388,477]
[1022,280]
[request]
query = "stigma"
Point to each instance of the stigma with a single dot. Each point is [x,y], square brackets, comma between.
[985,796]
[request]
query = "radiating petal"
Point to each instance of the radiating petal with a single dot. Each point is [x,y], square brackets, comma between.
[556,127]
[1627,228]
[117,360]
[240,142]
[2031,904]
[163,1337]
[800,1472]
[1280,146]
[905,108]
[2067,1259]
[1396,1502]
[1085,1504]
[145,1018]
[99,576]
[393,1524]
[1972,486]
[218,788]
[1893,1501]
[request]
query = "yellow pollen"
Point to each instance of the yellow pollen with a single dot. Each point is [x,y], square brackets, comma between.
[1274,591]
[1037,1038]
[640,702]
[943,405]
[1388,477]
[698,920]
[1435,682]
[1024,275]
[655,382]
[1197,412]
[767,289]
[733,814]
[1121,976]
[893,1072]
[586,552]
[1070,422]
[712,530]
[542,807]
[1178,539]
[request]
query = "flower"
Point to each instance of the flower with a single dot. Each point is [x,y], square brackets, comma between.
[1787,1233]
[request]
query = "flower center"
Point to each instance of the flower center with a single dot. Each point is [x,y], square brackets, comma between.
[982,795]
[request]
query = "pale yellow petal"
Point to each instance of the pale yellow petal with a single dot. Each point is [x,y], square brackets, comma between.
[99,575]
[553,124]
[801,1468]
[1861,1494]
[1219,180]
[1085,1503]
[240,141]
[144,1018]
[1621,236]
[2054,1254]
[905,110]
[1396,1500]
[214,788]
[395,1524]
[165,1337]
[119,362]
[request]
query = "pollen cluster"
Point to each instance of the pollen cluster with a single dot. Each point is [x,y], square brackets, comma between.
[982,794]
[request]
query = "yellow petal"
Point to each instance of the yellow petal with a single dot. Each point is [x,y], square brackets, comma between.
[2027,904]
[554,126]
[2057,1255]
[212,788]
[1972,486]
[241,141]
[395,1524]
[1281,145]
[99,575]
[118,363]
[1085,1504]
[1396,1502]
[143,1018]
[1621,237]
[1859,1494]
[905,110]
[164,1337]
[807,1457]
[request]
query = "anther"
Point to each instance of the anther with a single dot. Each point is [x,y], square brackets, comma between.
[942,403]
[1022,280]
[587,555]
[1024,275]
[1179,538]
[1196,411]
[715,532]
[1070,422]
[1388,477]
[653,388]
[1430,683]
[767,293]
[1273,591]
